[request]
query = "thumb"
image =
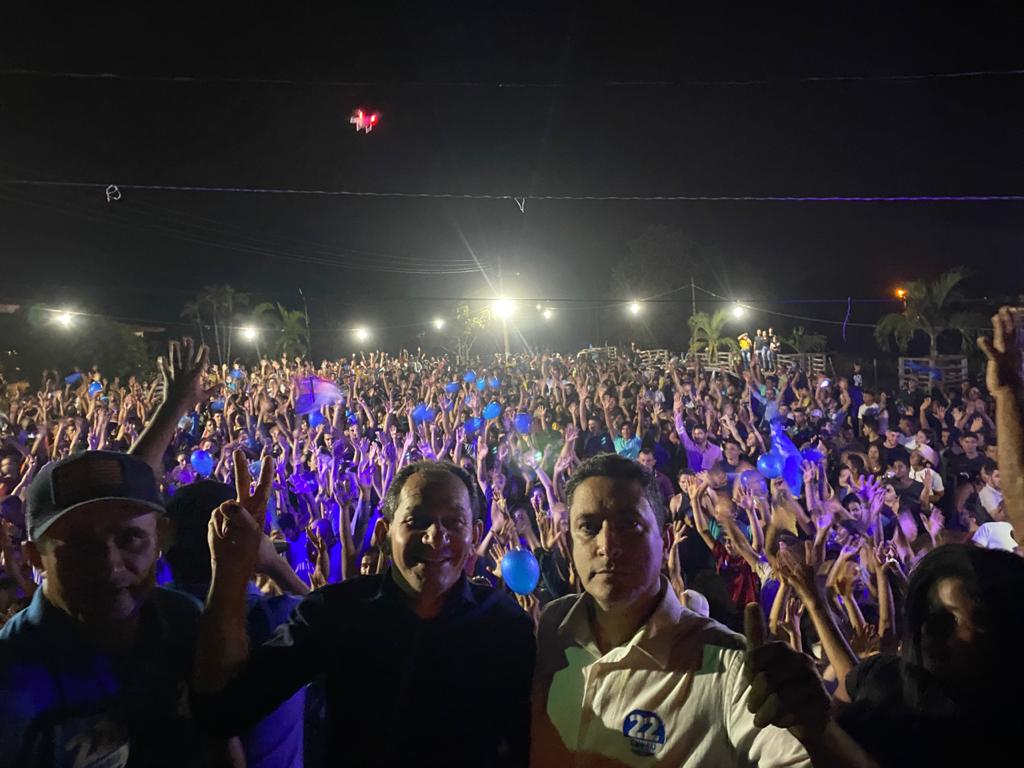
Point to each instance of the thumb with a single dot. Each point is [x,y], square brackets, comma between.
[754,626]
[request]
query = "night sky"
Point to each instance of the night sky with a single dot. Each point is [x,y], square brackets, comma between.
[435,73]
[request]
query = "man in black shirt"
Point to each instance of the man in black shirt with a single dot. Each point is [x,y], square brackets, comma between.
[420,666]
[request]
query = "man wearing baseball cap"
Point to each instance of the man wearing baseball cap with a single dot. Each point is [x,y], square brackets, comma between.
[94,671]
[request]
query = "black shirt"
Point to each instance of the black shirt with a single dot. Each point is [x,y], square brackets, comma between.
[453,690]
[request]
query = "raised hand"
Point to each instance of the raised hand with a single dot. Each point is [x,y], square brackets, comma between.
[236,527]
[182,372]
[785,689]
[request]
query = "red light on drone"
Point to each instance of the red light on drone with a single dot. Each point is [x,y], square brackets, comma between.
[363,121]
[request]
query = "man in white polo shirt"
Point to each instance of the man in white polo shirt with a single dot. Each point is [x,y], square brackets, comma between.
[626,676]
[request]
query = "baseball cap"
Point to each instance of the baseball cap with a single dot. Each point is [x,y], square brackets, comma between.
[84,478]
[928,454]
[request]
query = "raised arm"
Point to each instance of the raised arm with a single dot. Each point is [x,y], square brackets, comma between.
[182,374]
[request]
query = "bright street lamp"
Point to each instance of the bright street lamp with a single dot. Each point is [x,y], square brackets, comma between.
[504,308]
[547,314]
[438,323]
[64,319]
[249,333]
[738,310]
[634,308]
[362,334]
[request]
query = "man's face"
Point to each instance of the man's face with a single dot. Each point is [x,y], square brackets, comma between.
[617,545]
[8,467]
[901,469]
[626,431]
[993,479]
[647,459]
[100,561]
[366,565]
[869,398]
[592,426]
[433,533]
[970,445]
[699,436]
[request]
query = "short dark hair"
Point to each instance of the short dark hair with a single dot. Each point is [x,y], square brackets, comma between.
[435,469]
[617,468]
[732,441]
[988,466]
[870,422]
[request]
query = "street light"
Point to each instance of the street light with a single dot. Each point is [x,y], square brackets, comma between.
[362,334]
[738,310]
[634,308]
[901,294]
[64,319]
[249,333]
[547,314]
[438,323]
[504,308]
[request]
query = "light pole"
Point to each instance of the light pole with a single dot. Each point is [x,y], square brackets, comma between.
[504,308]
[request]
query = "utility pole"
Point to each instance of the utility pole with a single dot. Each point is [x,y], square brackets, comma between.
[693,297]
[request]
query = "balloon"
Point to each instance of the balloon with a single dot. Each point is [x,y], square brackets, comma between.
[811,455]
[451,387]
[520,571]
[202,462]
[481,384]
[470,377]
[73,378]
[94,388]
[523,422]
[793,474]
[236,373]
[217,405]
[473,424]
[770,465]
[429,414]
[419,413]
[494,382]
[316,419]
[492,411]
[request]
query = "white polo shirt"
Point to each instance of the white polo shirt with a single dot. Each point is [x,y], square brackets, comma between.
[674,695]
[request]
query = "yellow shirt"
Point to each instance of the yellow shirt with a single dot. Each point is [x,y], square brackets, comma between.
[674,695]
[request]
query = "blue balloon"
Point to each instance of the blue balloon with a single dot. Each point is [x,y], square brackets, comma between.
[793,474]
[94,388]
[202,462]
[429,414]
[73,378]
[523,422]
[470,377]
[316,419]
[520,571]
[353,419]
[770,465]
[481,384]
[217,405]
[492,411]
[811,455]
[473,424]
[494,382]
[419,413]
[451,387]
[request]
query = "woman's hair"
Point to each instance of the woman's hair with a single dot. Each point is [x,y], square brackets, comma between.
[994,579]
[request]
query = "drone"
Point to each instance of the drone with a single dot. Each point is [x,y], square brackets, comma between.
[364,121]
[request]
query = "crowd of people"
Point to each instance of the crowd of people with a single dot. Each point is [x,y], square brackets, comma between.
[349,552]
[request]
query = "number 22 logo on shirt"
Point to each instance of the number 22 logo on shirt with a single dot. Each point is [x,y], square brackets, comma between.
[645,731]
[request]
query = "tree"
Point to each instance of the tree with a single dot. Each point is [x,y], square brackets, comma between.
[290,335]
[802,342]
[215,308]
[930,308]
[466,328]
[707,333]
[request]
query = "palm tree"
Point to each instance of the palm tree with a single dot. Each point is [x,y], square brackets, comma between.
[215,307]
[707,333]
[803,342]
[929,308]
[290,335]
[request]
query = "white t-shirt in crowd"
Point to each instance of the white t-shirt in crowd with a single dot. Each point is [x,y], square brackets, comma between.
[918,475]
[995,536]
[990,498]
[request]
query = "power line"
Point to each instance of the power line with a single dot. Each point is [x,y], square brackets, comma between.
[979,198]
[547,85]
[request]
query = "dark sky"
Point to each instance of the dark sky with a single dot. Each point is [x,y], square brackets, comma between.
[145,254]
